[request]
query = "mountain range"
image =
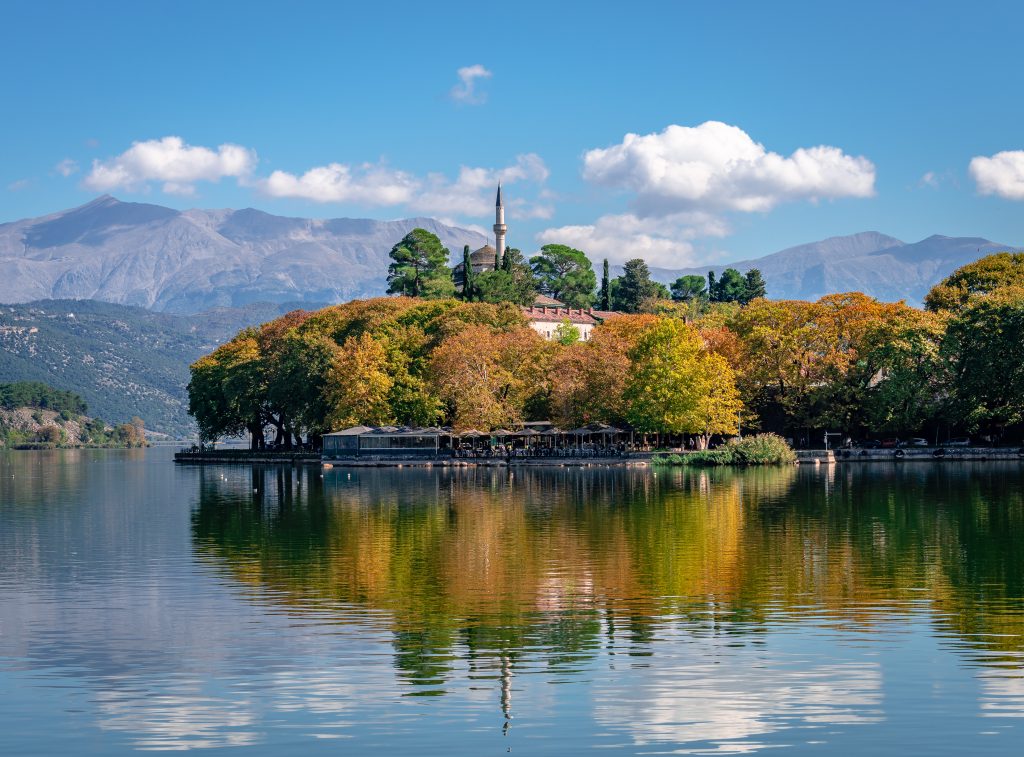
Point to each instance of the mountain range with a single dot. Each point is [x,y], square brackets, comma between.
[869,262]
[113,300]
[186,261]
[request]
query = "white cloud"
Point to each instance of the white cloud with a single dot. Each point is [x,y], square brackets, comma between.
[20,184]
[368,184]
[66,167]
[718,167]
[930,179]
[1002,174]
[465,91]
[663,242]
[171,161]
[471,194]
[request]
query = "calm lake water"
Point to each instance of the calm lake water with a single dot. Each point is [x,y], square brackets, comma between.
[872,609]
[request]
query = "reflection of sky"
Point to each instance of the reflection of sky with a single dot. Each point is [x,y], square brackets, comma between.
[711,697]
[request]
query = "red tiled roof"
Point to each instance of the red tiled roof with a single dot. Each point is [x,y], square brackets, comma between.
[558,315]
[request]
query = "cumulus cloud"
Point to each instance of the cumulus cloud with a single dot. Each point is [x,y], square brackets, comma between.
[466,90]
[470,194]
[66,167]
[1001,174]
[369,184]
[718,167]
[170,161]
[663,242]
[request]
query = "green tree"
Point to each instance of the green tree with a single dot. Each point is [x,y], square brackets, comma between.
[992,272]
[675,386]
[732,287]
[467,275]
[566,274]
[634,287]
[514,282]
[419,267]
[688,289]
[605,298]
[984,349]
[566,333]
[754,286]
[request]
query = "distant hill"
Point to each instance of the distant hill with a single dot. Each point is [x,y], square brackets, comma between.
[122,360]
[188,261]
[869,262]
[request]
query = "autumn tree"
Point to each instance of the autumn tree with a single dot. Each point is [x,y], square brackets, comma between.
[485,378]
[359,384]
[675,386]
[419,267]
[588,379]
[566,274]
[228,390]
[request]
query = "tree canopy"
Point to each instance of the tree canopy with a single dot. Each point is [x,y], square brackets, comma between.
[967,283]
[566,274]
[419,267]
[634,287]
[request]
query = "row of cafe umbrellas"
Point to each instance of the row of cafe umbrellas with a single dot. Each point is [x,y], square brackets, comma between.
[592,429]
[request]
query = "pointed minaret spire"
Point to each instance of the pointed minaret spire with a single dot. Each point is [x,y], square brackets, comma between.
[499,226]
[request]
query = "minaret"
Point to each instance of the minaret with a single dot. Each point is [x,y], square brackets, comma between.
[499,226]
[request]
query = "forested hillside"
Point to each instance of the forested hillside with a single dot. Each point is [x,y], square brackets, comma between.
[124,361]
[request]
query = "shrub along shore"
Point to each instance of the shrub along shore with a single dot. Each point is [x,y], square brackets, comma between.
[762,449]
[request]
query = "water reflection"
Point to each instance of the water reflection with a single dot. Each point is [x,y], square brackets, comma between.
[491,574]
[148,606]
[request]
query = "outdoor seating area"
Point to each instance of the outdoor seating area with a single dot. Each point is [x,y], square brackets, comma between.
[532,440]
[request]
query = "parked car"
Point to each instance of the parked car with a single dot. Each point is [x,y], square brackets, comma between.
[917,441]
[960,441]
[891,443]
[870,444]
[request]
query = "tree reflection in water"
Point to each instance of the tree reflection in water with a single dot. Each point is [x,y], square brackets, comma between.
[496,571]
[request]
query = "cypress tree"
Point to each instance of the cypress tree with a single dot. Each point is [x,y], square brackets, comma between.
[712,287]
[507,263]
[606,293]
[467,275]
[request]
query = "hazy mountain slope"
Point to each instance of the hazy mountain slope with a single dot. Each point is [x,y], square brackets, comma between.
[189,261]
[123,360]
[869,262]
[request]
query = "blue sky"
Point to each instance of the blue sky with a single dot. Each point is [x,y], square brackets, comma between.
[761,125]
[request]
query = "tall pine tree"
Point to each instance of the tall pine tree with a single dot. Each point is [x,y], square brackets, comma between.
[467,275]
[606,288]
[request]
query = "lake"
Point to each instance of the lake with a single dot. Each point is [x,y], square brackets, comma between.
[868,609]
